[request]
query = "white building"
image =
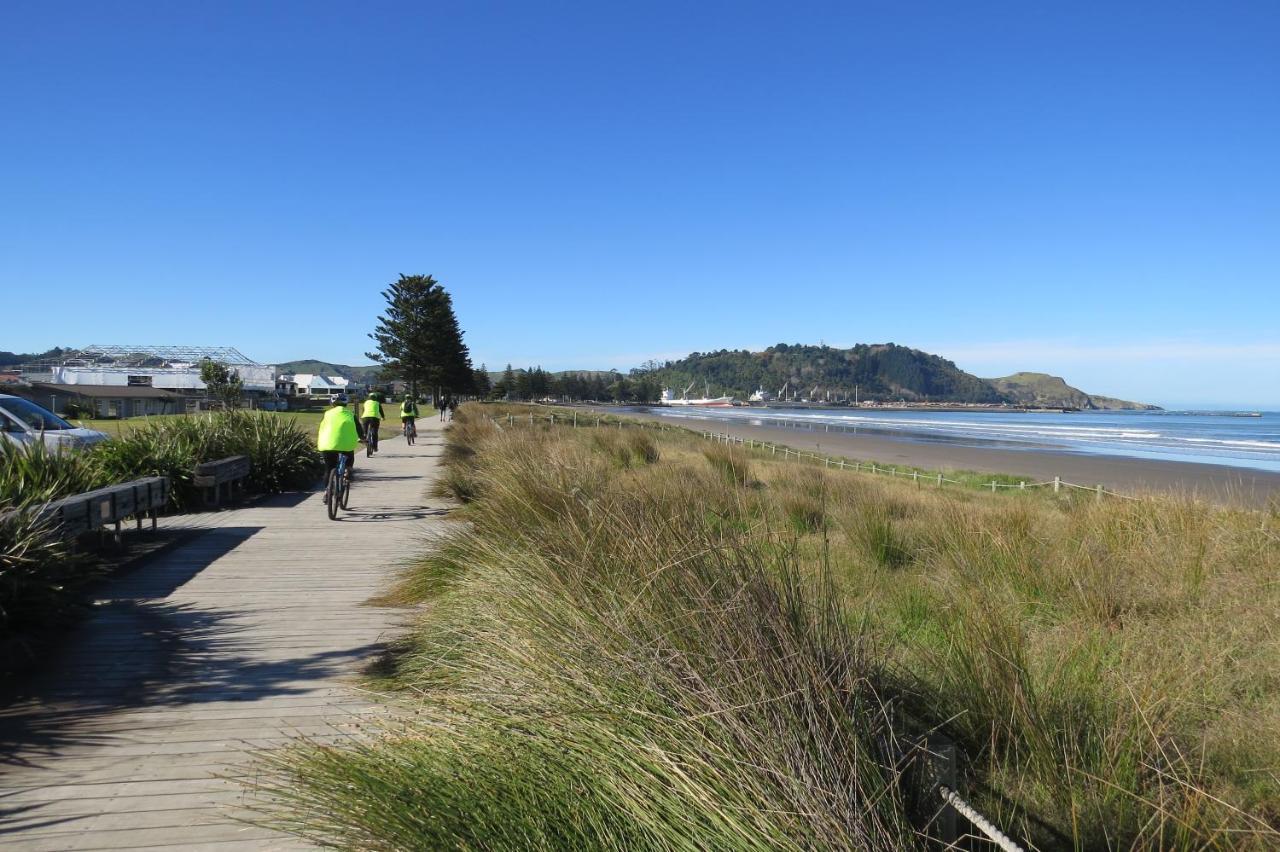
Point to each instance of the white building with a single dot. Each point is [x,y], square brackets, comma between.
[311,384]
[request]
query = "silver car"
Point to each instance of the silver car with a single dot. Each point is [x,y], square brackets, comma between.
[24,422]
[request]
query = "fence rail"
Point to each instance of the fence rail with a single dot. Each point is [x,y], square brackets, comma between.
[1057,483]
[950,799]
[840,463]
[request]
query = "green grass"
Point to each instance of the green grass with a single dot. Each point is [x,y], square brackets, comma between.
[307,421]
[679,655]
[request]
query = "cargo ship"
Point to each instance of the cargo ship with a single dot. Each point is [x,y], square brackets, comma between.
[706,401]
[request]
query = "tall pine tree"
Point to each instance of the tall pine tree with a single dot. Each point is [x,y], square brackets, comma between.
[419,339]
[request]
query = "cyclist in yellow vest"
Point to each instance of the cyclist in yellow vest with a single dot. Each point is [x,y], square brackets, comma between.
[409,413]
[371,415]
[337,435]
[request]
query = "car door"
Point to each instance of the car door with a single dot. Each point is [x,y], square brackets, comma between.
[14,430]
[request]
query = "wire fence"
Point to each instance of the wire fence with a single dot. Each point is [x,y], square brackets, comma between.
[950,800]
[920,477]
[914,474]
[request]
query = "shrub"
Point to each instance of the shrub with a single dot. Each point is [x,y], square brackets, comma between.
[281,455]
[39,574]
[30,473]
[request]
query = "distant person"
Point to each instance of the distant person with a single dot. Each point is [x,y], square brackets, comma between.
[444,410]
[453,407]
[338,435]
[371,415]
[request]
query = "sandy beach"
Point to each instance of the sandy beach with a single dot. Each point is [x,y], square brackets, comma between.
[1219,483]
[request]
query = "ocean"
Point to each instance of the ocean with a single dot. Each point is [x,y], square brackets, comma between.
[1248,442]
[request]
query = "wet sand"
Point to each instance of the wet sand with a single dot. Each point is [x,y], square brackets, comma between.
[1219,483]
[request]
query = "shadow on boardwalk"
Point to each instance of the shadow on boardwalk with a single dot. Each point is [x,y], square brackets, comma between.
[140,651]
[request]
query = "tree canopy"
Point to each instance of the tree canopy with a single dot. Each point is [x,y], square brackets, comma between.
[419,340]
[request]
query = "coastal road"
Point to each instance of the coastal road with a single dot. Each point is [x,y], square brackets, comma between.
[139,733]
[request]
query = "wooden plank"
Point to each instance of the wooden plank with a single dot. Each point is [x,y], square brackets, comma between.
[243,638]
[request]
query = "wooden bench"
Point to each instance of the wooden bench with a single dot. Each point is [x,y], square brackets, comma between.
[212,476]
[110,506]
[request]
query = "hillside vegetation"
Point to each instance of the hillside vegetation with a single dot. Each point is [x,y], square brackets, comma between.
[640,640]
[884,372]
[1041,389]
[362,374]
[880,371]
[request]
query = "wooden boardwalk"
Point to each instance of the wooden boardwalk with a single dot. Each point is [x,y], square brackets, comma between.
[250,634]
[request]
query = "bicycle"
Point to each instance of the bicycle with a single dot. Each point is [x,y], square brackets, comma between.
[371,438]
[410,431]
[337,488]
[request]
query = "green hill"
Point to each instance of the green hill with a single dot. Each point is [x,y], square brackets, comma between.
[361,374]
[881,371]
[1044,390]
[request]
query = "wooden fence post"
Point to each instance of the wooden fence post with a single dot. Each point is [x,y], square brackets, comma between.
[993,486]
[1099,494]
[1057,484]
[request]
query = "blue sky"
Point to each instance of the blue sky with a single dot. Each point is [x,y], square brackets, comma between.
[1089,189]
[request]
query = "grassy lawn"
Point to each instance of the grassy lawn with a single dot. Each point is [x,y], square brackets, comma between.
[308,421]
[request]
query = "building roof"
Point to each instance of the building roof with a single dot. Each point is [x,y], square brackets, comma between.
[106,391]
[139,355]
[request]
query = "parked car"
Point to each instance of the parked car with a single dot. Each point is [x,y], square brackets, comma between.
[24,422]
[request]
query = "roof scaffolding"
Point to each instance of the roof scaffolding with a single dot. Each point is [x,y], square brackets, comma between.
[131,355]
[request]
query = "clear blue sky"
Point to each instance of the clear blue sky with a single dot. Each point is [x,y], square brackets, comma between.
[1089,189]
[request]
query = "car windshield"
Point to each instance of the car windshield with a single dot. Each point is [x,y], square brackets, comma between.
[36,418]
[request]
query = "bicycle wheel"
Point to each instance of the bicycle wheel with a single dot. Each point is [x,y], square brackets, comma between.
[331,496]
[346,490]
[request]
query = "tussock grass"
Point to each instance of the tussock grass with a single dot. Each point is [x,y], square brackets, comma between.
[731,465]
[656,657]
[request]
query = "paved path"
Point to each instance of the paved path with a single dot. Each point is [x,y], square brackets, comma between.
[250,634]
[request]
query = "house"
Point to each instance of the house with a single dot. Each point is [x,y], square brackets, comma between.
[312,385]
[108,401]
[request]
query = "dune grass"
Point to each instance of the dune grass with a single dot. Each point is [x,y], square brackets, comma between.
[696,647]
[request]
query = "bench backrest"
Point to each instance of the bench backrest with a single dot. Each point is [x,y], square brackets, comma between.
[223,470]
[81,513]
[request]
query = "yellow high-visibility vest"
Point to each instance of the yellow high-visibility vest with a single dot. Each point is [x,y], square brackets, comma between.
[337,431]
[372,408]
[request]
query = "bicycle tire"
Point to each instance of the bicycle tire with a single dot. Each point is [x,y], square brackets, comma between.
[345,491]
[331,496]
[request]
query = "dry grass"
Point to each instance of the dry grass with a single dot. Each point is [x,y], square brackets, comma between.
[714,649]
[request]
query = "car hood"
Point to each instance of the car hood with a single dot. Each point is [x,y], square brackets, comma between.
[79,437]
